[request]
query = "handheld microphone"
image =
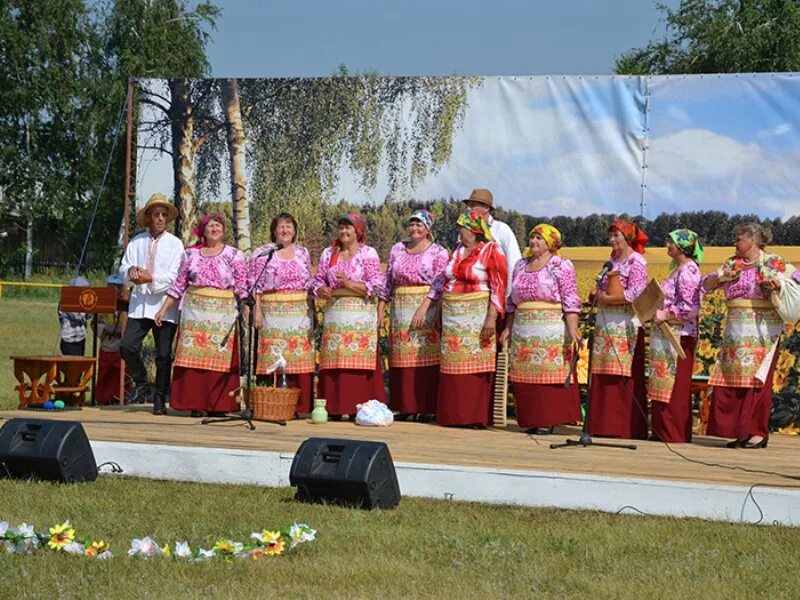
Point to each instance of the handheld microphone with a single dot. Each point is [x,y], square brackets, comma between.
[607,266]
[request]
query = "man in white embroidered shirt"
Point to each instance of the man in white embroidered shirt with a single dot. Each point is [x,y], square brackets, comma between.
[482,201]
[150,265]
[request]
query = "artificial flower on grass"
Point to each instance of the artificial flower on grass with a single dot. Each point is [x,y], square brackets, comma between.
[61,536]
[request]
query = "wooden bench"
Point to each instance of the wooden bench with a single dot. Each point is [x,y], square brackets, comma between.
[42,378]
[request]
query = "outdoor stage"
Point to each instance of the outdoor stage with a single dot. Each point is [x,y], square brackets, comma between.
[494,465]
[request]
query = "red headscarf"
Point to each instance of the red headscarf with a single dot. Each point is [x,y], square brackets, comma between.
[200,228]
[359,223]
[636,238]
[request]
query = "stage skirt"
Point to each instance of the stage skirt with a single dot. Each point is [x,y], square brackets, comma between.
[672,421]
[546,405]
[618,404]
[413,347]
[413,390]
[286,330]
[749,342]
[462,350]
[343,389]
[663,363]
[207,391]
[349,334]
[741,412]
[540,349]
[107,385]
[206,317]
[465,399]
[615,335]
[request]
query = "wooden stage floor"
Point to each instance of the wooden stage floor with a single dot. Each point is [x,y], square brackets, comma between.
[425,443]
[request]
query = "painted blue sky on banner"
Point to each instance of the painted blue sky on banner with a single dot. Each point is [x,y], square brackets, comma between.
[574,145]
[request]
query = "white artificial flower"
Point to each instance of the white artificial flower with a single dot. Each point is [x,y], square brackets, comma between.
[182,550]
[75,548]
[146,547]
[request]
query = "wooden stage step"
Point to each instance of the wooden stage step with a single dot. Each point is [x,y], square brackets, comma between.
[427,443]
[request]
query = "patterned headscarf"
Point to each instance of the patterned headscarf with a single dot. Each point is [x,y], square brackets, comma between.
[636,238]
[476,223]
[687,242]
[200,229]
[550,234]
[359,223]
[423,216]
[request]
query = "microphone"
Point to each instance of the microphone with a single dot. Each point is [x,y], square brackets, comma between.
[607,266]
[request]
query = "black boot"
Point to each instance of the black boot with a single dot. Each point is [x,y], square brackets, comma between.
[159,404]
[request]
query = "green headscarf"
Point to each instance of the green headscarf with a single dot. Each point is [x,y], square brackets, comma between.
[687,242]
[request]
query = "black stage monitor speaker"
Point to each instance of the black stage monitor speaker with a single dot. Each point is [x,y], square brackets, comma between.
[45,449]
[349,472]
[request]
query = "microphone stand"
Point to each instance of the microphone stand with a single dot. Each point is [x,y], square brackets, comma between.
[585,439]
[246,354]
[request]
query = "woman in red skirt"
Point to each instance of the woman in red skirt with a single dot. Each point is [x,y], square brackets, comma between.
[542,324]
[412,267]
[473,292]
[742,376]
[669,385]
[284,311]
[212,276]
[618,396]
[349,278]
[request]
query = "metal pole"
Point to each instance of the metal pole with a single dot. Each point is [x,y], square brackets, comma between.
[126,218]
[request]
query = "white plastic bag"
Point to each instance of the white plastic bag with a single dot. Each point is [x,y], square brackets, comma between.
[787,300]
[375,413]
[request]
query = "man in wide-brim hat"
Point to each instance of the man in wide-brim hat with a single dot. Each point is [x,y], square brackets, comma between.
[150,265]
[482,202]
[157,199]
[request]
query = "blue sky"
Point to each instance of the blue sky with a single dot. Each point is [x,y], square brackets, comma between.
[280,38]
[545,146]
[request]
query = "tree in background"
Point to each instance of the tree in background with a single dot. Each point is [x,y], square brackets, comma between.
[302,131]
[64,68]
[46,101]
[721,36]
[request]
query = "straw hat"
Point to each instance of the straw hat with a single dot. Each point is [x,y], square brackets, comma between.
[481,195]
[156,199]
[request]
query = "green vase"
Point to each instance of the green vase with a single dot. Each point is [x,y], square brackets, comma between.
[319,414]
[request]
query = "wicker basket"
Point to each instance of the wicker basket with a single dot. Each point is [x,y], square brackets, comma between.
[273,403]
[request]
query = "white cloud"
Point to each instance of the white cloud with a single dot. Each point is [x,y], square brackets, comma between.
[559,206]
[775,131]
[783,208]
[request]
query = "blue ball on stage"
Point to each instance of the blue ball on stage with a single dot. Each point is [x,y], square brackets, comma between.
[59,404]
[48,405]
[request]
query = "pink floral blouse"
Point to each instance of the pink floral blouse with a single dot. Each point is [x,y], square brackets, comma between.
[364,267]
[555,282]
[682,296]
[224,271]
[412,269]
[279,274]
[632,275]
[746,286]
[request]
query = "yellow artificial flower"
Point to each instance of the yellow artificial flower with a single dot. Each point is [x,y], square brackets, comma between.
[224,547]
[273,542]
[96,548]
[61,535]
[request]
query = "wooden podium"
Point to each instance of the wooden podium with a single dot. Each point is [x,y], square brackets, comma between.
[94,301]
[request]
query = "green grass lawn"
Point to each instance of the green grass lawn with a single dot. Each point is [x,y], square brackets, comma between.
[424,548]
[27,326]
